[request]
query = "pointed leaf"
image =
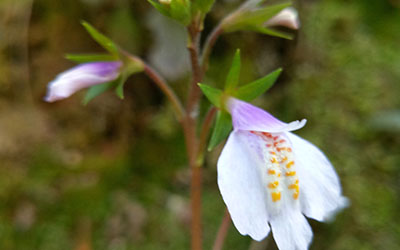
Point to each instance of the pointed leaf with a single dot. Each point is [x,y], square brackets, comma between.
[248,20]
[104,41]
[84,58]
[203,5]
[271,32]
[254,89]
[213,95]
[119,90]
[97,90]
[262,15]
[180,11]
[223,125]
[232,79]
[160,7]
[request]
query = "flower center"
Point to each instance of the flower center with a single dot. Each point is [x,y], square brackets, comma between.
[280,177]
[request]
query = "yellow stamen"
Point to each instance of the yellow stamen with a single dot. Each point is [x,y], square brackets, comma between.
[291,173]
[274,184]
[290,164]
[276,196]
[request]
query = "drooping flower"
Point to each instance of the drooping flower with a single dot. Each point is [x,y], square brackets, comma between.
[288,17]
[270,177]
[80,77]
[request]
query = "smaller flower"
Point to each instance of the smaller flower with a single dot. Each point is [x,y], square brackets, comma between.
[270,178]
[80,77]
[288,17]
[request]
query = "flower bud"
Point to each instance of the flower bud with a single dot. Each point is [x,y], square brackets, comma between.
[288,17]
[80,77]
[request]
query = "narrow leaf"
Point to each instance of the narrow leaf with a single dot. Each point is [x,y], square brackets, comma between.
[97,90]
[119,90]
[213,95]
[104,41]
[203,5]
[84,58]
[254,89]
[271,32]
[247,20]
[232,79]
[161,8]
[262,15]
[223,125]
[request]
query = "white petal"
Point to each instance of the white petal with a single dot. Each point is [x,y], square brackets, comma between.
[291,230]
[288,17]
[80,77]
[240,183]
[320,191]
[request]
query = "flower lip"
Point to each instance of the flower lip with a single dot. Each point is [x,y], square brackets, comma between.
[81,76]
[248,117]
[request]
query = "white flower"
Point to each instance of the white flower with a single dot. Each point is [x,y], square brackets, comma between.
[269,177]
[80,77]
[288,17]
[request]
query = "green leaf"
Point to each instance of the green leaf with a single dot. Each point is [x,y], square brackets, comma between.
[180,10]
[84,58]
[104,41]
[119,90]
[203,6]
[223,125]
[253,19]
[232,79]
[213,95]
[271,32]
[97,90]
[162,8]
[254,89]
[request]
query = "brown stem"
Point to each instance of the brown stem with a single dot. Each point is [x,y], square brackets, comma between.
[190,122]
[195,92]
[222,231]
[162,84]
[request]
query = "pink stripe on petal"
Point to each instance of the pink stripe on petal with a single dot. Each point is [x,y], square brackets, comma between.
[248,117]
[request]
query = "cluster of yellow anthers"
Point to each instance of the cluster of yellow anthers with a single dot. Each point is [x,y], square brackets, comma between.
[280,161]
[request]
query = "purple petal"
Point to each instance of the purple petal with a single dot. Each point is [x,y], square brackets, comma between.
[248,117]
[80,77]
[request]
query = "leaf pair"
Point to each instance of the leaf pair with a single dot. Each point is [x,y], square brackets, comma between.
[248,92]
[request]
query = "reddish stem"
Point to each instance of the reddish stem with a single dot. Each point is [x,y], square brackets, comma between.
[222,231]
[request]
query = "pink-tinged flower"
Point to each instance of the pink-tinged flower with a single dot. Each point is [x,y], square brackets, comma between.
[269,177]
[288,17]
[80,77]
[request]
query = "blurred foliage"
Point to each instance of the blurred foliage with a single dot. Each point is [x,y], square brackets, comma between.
[113,174]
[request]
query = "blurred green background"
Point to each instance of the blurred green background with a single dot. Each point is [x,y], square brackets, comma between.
[113,174]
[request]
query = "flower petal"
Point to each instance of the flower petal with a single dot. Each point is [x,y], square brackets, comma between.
[288,17]
[241,186]
[81,76]
[291,230]
[248,117]
[320,191]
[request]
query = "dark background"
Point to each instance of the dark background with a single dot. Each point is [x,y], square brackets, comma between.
[113,174]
